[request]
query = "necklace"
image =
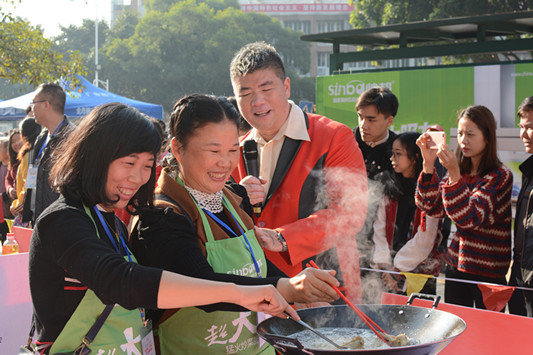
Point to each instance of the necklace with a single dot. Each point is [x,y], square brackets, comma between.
[207,201]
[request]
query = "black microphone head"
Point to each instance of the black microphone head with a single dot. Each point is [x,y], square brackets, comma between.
[249,150]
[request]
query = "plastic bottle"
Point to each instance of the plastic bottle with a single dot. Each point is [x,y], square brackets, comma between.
[10,245]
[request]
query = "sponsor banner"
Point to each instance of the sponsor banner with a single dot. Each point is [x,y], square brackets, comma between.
[336,7]
[431,96]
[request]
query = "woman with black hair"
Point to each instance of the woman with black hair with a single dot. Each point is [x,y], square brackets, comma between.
[79,259]
[476,195]
[14,145]
[29,131]
[405,239]
[201,229]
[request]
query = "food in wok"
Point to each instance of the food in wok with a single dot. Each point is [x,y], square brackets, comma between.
[351,338]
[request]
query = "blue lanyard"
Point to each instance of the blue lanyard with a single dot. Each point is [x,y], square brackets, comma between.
[110,235]
[247,245]
[46,142]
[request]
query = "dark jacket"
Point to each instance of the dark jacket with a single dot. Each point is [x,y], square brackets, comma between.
[44,193]
[524,251]
[377,159]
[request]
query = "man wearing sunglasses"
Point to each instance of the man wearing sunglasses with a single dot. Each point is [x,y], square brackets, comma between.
[48,106]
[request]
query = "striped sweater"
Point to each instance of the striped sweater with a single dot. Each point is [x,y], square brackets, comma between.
[480,207]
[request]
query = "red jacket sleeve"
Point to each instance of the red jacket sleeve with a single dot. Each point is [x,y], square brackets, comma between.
[346,198]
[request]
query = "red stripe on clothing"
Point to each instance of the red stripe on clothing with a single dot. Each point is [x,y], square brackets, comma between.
[75,288]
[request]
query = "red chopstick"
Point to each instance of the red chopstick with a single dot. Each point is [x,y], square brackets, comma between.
[368,321]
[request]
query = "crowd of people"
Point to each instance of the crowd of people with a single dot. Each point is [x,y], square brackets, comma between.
[220,216]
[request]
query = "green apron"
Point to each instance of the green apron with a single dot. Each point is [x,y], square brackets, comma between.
[120,334]
[194,331]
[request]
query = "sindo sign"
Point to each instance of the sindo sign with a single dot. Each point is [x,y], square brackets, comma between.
[350,91]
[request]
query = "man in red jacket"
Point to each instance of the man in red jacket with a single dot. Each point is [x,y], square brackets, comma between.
[311,182]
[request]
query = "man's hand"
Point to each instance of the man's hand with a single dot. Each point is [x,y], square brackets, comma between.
[268,238]
[390,283]
[254,188]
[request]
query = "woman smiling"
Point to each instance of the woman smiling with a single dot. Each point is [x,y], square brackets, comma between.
[203,232]
[79,259]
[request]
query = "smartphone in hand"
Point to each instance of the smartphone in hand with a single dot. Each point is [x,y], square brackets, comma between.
[436,139]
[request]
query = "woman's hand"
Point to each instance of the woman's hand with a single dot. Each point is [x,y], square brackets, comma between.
[254,188]
[265,299]
[428,155]
[12,193]
[310,285]
[268,238]
[448,159]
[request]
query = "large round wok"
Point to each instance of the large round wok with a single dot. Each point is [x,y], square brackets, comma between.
[432,330]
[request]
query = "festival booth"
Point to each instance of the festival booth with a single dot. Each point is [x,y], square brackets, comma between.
[78,104]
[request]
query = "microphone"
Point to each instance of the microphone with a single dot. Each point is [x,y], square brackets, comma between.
[251,164]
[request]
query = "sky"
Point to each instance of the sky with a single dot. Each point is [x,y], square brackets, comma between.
[52,13]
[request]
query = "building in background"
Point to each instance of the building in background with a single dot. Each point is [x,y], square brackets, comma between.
[308,16]
[119,6]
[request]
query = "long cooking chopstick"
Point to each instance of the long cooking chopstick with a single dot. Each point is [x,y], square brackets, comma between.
[368,321]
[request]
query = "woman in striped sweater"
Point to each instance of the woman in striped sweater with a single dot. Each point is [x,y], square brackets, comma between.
[476,196]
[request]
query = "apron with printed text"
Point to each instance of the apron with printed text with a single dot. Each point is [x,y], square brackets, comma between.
[194,331]
[120,334]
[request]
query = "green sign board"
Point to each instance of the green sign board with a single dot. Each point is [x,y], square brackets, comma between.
[431,96]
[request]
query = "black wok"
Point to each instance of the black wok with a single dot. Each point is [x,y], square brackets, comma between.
[430,329]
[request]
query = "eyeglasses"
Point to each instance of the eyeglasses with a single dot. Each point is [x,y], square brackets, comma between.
[32,104]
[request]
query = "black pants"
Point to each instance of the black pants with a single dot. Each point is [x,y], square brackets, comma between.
[4,229]
[521,303]
[466,294]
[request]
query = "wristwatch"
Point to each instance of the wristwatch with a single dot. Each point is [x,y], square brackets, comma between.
[283,242]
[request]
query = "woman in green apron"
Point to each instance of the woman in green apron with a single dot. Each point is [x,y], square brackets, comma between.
[79,259]
[202,231]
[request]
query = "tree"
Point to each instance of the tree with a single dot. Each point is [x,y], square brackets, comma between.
[26,56]
[188,49]
[81,40]
[368,13]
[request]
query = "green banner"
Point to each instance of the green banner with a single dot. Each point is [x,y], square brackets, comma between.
[431,96]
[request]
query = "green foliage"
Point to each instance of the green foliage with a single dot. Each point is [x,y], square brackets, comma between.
[184,47]
[124,25]
[188,49]
[368,13]
[165,5]
[159,5]
[27,57]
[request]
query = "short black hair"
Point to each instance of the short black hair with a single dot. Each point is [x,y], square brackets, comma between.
[108,132]
[525,106]
[54,94]
[194,111]
[256,56]
[29,130]
[408,141]
[384,100]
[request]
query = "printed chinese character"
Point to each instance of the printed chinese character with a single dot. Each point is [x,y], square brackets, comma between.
[129,347]
[241,322]
[214,335]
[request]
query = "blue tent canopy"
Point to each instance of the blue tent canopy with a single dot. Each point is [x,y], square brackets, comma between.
[78,104]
